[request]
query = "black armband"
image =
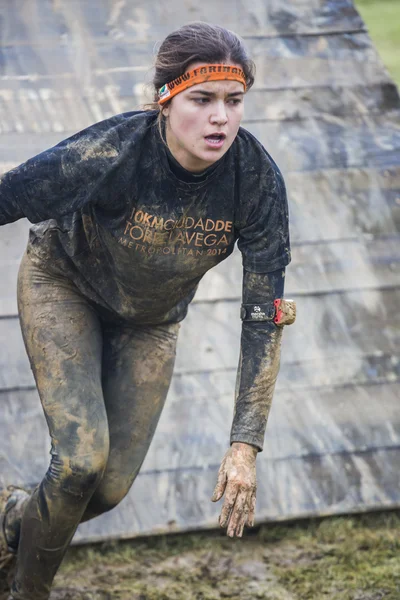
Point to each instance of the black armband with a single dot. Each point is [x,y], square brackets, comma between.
[281,312]
[257,312]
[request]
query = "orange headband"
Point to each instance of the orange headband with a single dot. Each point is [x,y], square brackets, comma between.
[200,75]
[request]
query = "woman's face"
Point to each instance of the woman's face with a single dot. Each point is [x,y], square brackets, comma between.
[202,122]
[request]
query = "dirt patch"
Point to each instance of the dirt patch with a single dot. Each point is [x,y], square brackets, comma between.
[214,569]
[352,558]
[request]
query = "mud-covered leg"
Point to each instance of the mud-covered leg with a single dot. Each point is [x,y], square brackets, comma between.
[63,339]
[137,369]
[12,503]
[16,500]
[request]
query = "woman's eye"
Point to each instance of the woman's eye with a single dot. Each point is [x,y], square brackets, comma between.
[231,101]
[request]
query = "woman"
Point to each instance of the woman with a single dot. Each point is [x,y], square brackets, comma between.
[130,214]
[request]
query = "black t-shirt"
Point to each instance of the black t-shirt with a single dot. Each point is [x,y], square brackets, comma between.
[135,231]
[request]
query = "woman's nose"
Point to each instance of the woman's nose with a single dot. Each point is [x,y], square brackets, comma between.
[219,114]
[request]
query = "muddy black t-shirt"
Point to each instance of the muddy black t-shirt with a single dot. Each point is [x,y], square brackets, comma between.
[115,218]
[114,214]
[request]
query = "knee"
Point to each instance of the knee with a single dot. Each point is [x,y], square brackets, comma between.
[78,476]
[108,497]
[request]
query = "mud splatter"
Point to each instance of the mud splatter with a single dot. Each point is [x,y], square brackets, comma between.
[288,308]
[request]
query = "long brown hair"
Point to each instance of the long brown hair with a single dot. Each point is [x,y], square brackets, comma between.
[198,42]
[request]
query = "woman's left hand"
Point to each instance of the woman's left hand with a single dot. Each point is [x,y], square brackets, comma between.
[237,477]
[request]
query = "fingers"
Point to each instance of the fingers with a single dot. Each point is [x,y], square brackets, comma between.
[237,479]
[242,523]
[250,518]
[229,502]
[221,484]
[239,512]
[242,518]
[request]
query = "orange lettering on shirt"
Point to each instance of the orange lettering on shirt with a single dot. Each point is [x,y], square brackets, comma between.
[199,224]
[157,223]
[146,219]
[228,226]
[223,240]
[209,225]
[180,237]
[148,236]
[189,237]
[160,238]
[127,228]
[136,232]
[210,239]
[199,239]
[169,221]
[139,216]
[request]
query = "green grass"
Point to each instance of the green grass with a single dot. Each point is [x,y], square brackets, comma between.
[382,18]
[345,558]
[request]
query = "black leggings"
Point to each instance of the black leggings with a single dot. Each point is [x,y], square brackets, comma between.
[102,385]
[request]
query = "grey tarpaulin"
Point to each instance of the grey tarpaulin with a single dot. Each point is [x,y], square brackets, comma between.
[328,112]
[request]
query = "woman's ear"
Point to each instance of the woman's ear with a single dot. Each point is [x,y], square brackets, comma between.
[165,111]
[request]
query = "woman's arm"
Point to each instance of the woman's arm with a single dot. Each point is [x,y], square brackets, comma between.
[259,356]
[10,209]
[256,378]
[264,242]
[59,180]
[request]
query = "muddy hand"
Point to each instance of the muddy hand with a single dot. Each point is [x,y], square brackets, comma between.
[237,478]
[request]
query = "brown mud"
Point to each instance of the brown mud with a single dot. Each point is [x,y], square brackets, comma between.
[340,558]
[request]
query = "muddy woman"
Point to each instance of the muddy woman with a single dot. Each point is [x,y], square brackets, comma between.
[128,215]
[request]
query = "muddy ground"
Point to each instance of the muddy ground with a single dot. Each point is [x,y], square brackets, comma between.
[350,558]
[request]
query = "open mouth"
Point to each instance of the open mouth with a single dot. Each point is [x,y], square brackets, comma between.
[215,139]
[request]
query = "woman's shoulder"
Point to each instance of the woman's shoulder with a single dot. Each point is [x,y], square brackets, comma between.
[108,138]
[134,118]
[122,125]
[252,156]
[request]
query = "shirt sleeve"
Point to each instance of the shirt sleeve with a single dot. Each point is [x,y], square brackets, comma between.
[59,180]
[263,236]
[259,360]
